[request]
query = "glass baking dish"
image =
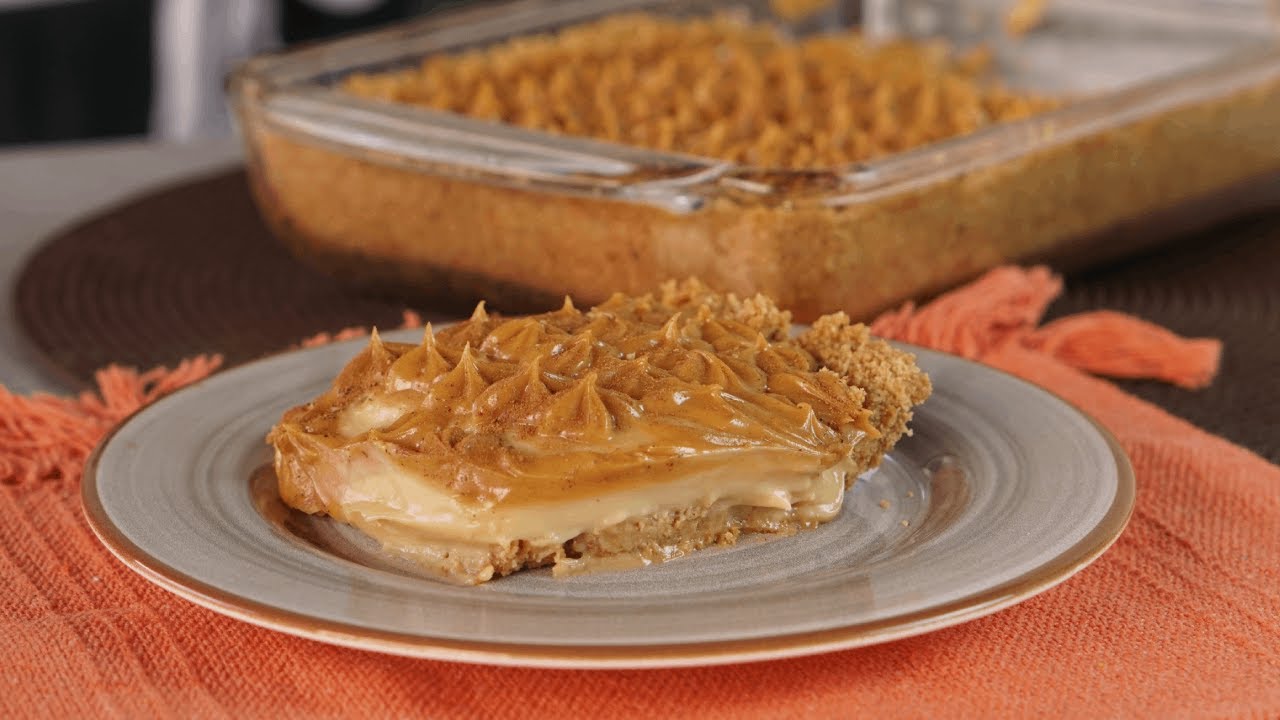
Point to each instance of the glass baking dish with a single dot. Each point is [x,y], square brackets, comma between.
[1173,123]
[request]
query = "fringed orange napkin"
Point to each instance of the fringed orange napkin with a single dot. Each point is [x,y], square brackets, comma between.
[1181,617]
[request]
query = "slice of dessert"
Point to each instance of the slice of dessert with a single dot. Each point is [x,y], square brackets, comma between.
[640,430]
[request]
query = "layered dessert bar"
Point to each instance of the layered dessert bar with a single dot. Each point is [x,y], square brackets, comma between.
[642,429]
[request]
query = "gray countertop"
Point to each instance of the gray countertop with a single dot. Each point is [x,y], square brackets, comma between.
[45,188]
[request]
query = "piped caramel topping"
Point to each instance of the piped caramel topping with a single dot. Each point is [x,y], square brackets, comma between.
[568,403]
[721,86]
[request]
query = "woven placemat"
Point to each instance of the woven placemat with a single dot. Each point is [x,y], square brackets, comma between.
[192,269]
[189,269]
[1222,283]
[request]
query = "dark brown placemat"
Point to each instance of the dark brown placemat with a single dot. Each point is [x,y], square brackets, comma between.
[191,269]
[1222,283]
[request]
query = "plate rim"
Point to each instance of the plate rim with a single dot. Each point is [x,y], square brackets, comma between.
[618,657]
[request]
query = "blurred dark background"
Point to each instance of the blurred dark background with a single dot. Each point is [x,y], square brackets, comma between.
[83,69]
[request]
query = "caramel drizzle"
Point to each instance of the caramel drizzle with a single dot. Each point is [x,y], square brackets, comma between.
[523,408]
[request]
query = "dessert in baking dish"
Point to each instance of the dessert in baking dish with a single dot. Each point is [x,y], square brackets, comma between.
[359,173]
[640,430]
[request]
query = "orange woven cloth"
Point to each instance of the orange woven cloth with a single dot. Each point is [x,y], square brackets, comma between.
[1181,617]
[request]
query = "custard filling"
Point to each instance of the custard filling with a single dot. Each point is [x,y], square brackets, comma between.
[383,493]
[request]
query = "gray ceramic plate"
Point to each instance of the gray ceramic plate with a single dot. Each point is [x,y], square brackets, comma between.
[1003,491]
